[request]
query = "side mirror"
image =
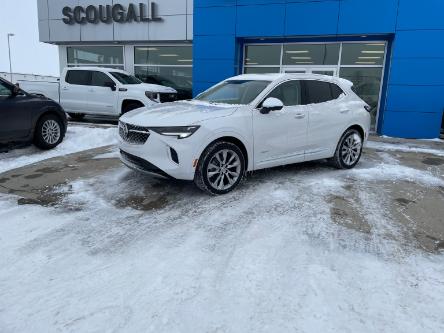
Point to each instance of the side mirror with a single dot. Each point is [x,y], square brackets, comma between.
[111,85]
[15,90]
[271,104]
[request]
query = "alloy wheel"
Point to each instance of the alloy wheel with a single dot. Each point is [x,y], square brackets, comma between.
[51,131]
[224,169]
[351,149]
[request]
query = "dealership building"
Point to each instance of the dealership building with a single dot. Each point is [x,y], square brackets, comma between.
[392,50]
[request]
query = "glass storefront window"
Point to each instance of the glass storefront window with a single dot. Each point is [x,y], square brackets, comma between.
[360,62]
[163,55]
[179,78]
[310,54]
[170,66]
[95,55]
[366,84]
[261,70]
[262,55]
[363,54]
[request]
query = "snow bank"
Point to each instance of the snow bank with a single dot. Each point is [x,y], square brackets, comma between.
[77,138]
[404,148]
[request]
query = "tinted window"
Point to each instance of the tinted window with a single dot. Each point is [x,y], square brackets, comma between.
[4,89]
[288,92]
[234,92]
[320,92]
[79,77]
[100,79]
[125,79]
[335,91]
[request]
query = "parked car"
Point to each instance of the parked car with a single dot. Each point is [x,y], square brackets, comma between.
[246,123]
[29,118]
[182,85]
[100,91]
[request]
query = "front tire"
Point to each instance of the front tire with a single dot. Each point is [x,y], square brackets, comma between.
[48,132]
[349,150]
[220,168]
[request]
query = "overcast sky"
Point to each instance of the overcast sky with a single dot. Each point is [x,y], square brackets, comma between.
[27,53]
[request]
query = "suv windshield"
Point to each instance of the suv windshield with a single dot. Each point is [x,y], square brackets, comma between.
[234,92]
[125,78]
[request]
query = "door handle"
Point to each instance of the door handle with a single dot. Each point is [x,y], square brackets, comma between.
[65,88]
[345,111]
[299,116]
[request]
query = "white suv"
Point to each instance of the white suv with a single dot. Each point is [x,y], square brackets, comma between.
[246,123]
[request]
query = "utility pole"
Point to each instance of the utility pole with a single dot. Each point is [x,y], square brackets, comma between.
[9,50]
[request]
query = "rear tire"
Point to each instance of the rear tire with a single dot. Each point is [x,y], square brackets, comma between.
[76,116]
[220,169]
[349,150]
[49,132]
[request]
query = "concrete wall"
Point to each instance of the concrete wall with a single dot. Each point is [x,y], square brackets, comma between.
[413,98]
[176,24]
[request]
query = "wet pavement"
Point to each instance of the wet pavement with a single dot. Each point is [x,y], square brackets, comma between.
[416,207]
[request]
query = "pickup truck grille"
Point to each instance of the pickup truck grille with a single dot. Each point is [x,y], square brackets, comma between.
[133,134]
[167,97]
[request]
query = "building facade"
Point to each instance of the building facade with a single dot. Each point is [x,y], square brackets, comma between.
[390,49]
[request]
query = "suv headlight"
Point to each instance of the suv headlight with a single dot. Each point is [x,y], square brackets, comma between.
[181,132]
[152,96]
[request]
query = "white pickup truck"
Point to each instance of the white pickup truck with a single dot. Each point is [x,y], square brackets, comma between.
[99,91]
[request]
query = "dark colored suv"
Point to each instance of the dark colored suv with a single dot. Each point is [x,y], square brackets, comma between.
[29,118]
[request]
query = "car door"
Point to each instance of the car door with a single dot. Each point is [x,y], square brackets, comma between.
[15,114]
[328,113]
[75,91]
[102,98]
[280,136]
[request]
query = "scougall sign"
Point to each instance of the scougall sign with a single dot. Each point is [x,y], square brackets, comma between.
[111,13]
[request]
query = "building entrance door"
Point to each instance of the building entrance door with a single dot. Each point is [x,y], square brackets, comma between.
[311,70]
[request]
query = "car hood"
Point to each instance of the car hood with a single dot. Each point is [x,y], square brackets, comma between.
[177,114]
[150,87]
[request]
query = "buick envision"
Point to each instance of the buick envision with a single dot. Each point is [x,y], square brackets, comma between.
[246,123]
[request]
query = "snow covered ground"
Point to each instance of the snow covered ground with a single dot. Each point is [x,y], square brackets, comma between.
[266,258]
[412,148]
[78,138]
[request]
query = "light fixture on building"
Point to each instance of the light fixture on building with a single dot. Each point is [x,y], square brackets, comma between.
[301,51]
[168,55]
[372,52]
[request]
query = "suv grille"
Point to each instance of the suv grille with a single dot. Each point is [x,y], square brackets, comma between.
[133,134]
[167,97]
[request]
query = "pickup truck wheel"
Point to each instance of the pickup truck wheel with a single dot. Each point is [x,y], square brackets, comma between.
[48,132]
[131,106]
[76,116]
[220,168]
